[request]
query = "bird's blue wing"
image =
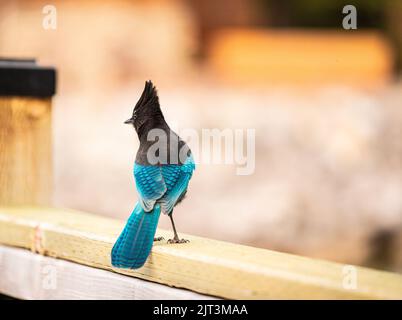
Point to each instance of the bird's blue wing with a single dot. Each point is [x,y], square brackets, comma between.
[150,185]
[176,179]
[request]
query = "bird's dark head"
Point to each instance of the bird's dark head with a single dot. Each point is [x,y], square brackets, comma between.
[147,112]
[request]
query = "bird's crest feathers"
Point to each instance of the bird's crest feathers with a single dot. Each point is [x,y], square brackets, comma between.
[149,98]
[147,113]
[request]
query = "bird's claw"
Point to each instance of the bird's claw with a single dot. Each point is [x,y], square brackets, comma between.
[159,238]
[177,240]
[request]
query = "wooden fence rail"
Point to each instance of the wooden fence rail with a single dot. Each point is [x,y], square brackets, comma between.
[210,267]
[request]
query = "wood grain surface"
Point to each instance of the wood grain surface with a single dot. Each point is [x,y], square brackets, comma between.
[25,151]
[206,266]
[30,276]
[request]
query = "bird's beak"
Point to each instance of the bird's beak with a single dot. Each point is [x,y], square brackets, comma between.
[129,121]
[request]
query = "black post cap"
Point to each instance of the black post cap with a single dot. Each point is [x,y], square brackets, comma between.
[23,77]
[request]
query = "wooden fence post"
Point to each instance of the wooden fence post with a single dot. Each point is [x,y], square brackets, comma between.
[25,132]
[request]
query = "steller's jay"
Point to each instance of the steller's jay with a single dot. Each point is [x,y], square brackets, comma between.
[161,184]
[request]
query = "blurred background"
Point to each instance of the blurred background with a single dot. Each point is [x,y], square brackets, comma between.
[325,103]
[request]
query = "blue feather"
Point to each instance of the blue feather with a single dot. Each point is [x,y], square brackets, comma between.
[135,242]
[159,188]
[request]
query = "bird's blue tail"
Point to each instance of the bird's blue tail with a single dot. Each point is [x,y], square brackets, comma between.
[134,244]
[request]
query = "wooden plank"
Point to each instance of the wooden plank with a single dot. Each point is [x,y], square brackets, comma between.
[25,156]
[30,276]
[207,266]
[25,132]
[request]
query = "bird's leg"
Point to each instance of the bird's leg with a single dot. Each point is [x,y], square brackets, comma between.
[176,238]
[159,238]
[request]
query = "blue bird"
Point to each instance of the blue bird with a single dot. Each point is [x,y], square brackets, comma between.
[162,170]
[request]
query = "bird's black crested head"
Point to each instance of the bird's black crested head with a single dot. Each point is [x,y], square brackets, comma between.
[147,112]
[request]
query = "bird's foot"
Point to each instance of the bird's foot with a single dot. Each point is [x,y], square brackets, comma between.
[159,238]
[177,240]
